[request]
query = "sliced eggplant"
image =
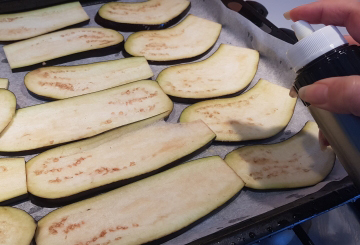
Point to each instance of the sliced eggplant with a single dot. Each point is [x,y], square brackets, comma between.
[7,107]
[4,83]
[34,23]
[229,70]
[260,113]
[16,226]
[60,82]
[145,210]
[190,38]
[83,116]
[148,15]
[105,137]
[296,162]
[118,155]
[59,44]
[12,180]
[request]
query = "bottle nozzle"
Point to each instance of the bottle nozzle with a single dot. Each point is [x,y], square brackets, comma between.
[302,29]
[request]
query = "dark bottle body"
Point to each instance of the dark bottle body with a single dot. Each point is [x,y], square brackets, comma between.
[341,61]
[341,130]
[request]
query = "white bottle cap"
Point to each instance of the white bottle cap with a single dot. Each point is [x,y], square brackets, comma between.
[312,44]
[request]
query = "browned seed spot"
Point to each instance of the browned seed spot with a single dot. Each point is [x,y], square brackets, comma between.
[55,225]
[57,180]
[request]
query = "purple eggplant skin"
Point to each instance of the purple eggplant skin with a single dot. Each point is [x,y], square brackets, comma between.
[124,27]
[57,202]
[15,200]
[173,62]
[77,25]
[9,7]
[73,57]
[195,100]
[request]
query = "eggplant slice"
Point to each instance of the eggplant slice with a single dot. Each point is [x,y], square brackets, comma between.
[145,210]
[229,70]
[16,227]
[60,82]
[59,44]
[37,22]
[7,108]
[118,155]
[148,15]
[83,116]
[296,162]
[4,83]
[190,38]
[260,113]
[12,179]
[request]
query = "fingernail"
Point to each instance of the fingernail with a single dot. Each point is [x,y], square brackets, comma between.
[293,93]
[287,15]
[302,92]
[314,93]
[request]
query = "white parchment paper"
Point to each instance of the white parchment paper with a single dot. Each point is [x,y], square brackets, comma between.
[273,67]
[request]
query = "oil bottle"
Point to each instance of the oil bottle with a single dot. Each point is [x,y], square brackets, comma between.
[322,54]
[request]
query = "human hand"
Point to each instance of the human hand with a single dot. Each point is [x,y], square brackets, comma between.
[335,94]
[331,12]
[338,94]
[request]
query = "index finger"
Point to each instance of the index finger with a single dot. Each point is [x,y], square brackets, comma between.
[338,13]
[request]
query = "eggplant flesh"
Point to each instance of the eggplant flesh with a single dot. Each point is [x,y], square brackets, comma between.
[83,116]
[145,210]
[60,82]
[12,179]
[296,162]
[229,70]
[33,23]
[7,108]
[148,15]
[260,113]
[117,155]
[190,38]
[58,44]
[16,226]
[4,83]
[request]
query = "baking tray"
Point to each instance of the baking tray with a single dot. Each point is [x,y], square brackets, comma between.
[252,215]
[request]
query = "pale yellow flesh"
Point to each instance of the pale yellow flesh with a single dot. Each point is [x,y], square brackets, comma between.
[12,178]
[296,162]
[261,112]
[152,12]
[59,44]
[190,38]
[60,82]
[16,227]
[34,23]
[83,116]
[7,108]
[70,169]
[145,210]
[4,83]
[229,70]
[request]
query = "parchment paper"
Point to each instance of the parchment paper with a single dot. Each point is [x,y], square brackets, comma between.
[273,67]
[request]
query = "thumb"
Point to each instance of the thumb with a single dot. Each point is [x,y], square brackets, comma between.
[335,94]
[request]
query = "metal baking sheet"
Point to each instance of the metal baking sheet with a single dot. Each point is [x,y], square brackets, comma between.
[273,67]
